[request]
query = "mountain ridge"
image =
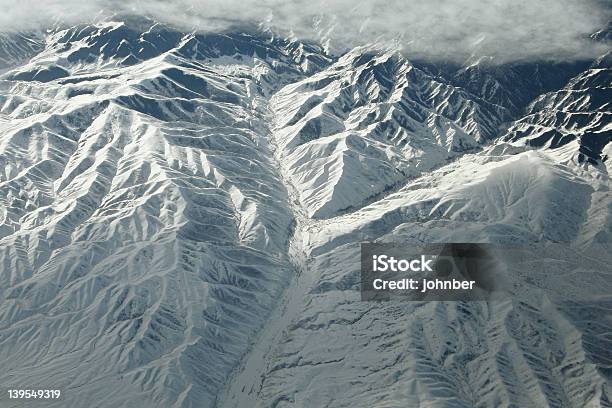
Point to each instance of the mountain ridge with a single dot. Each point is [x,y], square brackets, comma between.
[176,207]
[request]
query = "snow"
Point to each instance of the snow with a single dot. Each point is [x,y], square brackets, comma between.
[181,213]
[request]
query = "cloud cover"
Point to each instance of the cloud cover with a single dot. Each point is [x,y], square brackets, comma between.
[435,29]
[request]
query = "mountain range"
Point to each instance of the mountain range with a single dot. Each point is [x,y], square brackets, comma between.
[181,214]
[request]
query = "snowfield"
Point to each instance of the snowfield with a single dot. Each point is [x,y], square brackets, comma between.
[181,214]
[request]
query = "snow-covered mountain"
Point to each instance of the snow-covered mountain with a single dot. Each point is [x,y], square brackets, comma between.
[181,213]
[17,48]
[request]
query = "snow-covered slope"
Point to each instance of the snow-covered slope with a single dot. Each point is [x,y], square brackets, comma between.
[17,48]
[181,213]
[367,123]
[543,346]
[144,224]
[579,112]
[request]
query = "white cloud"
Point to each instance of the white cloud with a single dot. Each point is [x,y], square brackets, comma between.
[450,29]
